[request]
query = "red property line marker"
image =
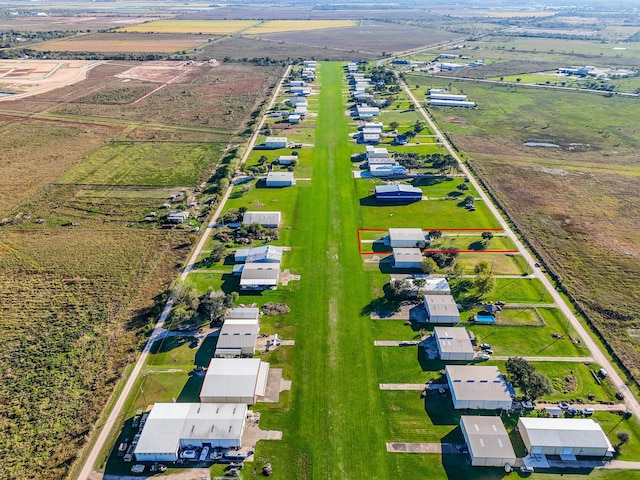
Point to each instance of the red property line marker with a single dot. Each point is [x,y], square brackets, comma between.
[441,229]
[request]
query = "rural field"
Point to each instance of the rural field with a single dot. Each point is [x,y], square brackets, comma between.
[83,273]
[125,43]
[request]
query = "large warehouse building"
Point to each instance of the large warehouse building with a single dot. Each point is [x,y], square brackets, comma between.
[405,237]
[237,338]
[567,437]
[488,441]
[441,309]
[478,387]
[234,380]
[453,343]
[171,427]
[398,193]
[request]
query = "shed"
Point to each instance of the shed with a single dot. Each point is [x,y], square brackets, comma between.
[275,142]
[453,343]
[294,118]
[405,237]
[447,96]
[287,159]
[234,380]
[376,152]
[398,193]
[387,170]
[280,179]
[171,427]
[567,437]
[451,103]
[264,254]
[242,313]
[371,138]
[407,258]
[478,387]
[266,219]
[441,309]
[488,441]
[237,338]
[177,216]
[260,276]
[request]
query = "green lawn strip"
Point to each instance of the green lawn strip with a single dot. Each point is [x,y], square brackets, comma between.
[145,163]
[501,264]
[611,424]
[333,386]
[586,384]
[467,241]
[393,330]
[519,290]
[405,364]
[529,340]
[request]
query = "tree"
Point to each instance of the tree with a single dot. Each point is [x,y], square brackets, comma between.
[518,369]
[393,125]
[217,252]
[419,126]
[458,269]
[463,187]
[487,235]
[484,283]
[419,282]
[469,199]
[435,234]
[623,437]
[428,265]
[482,267]
[537,385]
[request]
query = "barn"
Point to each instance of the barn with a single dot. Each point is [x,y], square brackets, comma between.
[488,441]
[478,387]
[407,258]
[453,343]
[280,179]
[398,193]
[441,309]
[234,380]
[405,237]
[171,427]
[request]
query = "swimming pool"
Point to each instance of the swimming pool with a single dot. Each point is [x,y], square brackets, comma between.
[485,318]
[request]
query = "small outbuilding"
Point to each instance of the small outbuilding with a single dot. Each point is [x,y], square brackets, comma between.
[172,427]
[234,380]
[177,216]
[405,237]
[398,193]
[488,441]
[478,387]
[566,437]
[287,159]
[237,338]
[407,258]
[453,343]
[242,313]
[441,309]
[266,219]
[280,179]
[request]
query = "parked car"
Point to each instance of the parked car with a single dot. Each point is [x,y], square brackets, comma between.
[483,356]
[571,411]
[564,405]
[122,448]
[528,405]
[588,411]
[485,346]
[525,469]
[603,373]
[488,351]
[188,454]
[137,468]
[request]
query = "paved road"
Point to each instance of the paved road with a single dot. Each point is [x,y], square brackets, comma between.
[616,407]
[598,356]
[547,359]
[116,412]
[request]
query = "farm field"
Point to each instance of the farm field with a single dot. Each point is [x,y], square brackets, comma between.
[210,27]
[145,163]
[71,23]
[276,26]
[124,43]
[551,195]
[82,272]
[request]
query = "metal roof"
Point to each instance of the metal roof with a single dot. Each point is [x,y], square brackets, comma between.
[407,255]
[280,176]
[477,383]
[168,423]
[398,188]
[232,377]
[263,218]
[266,253]
[565,432]
[243,313]
[453,339]
[487,437]
[276,139]
[406,234]
[238,334]
[260,274]
[441,305]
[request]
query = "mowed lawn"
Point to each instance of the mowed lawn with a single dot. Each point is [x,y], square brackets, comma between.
[145,163]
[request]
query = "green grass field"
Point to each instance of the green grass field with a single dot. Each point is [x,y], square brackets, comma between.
[145,163]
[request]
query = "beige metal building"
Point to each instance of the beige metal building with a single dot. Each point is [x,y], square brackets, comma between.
[488,441]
